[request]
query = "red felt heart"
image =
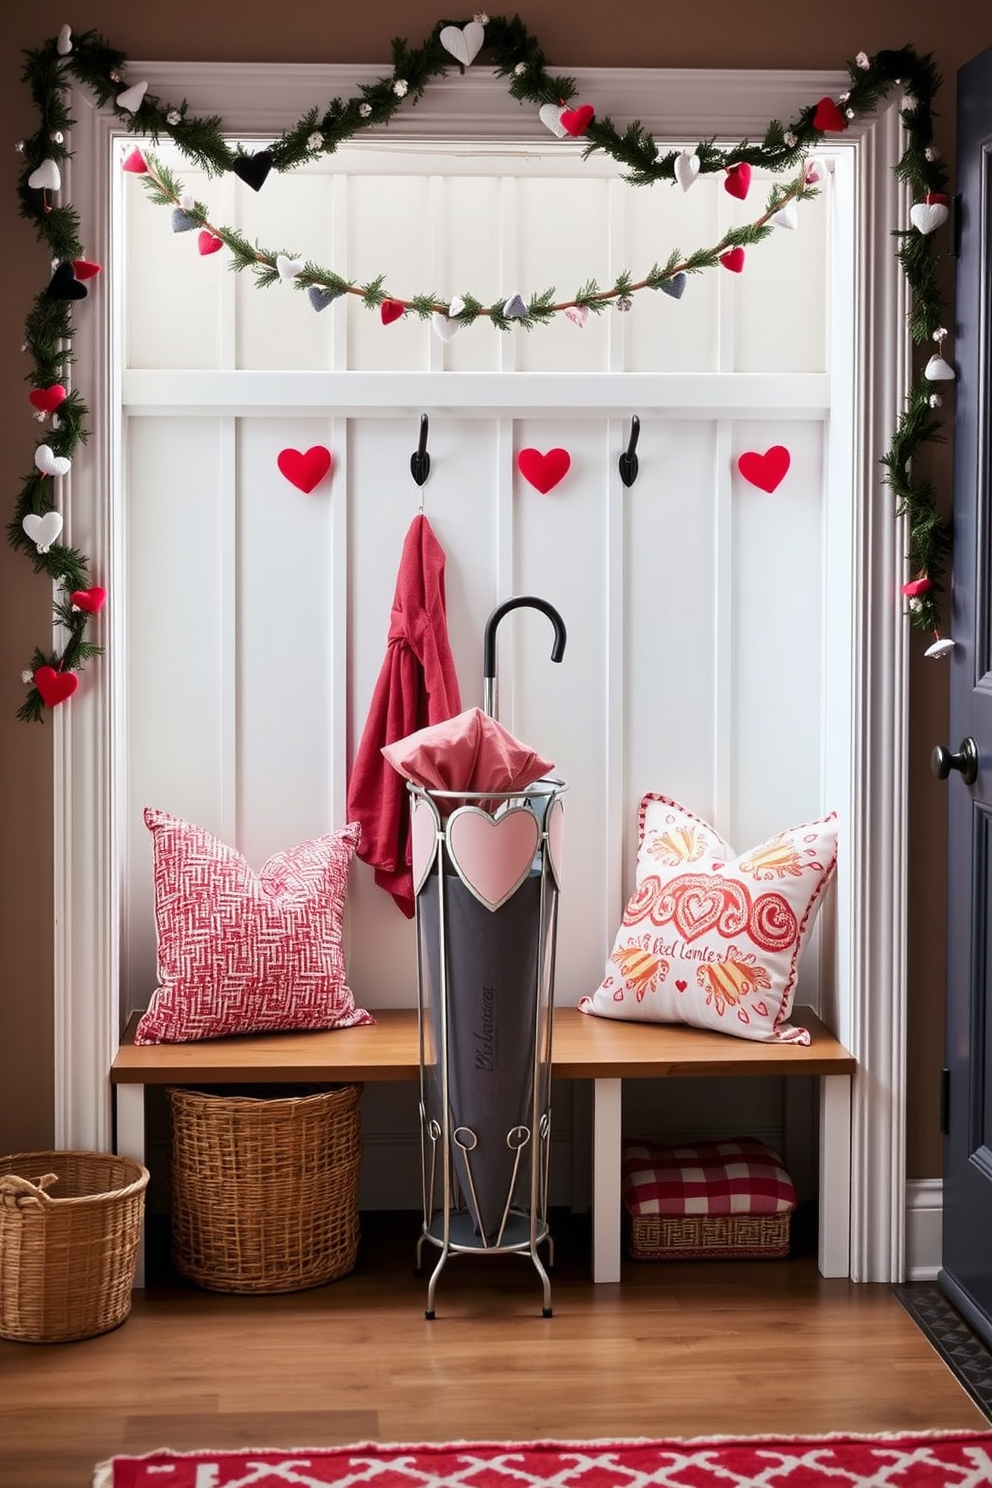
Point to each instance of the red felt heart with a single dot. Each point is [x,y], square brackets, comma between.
[828,116]
[916,587]
[55,686]
[46,400]
[937,198]
[84,269]
[577,121]
[305,470]
[135,163]
[389,311]
[733,260]
[738,179]
[90,600]
[765,471]
[208,243]
[543,471]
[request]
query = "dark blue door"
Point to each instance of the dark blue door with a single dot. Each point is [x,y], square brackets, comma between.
[966,1276]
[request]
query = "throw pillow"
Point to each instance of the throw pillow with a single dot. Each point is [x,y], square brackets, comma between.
[710,937]
[240,952]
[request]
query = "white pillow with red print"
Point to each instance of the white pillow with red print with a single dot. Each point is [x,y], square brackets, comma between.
[711,937]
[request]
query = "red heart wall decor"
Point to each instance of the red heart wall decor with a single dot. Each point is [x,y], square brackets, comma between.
[305,469]
[55,686]
[543,471]
[733,260]
[577,121]
[90,600]
[738,180]
[828,116]
[765,471]
[46,400]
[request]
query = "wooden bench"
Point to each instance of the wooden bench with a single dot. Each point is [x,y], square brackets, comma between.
[602,1050]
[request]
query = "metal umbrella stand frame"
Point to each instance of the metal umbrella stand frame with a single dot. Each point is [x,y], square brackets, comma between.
[486,873]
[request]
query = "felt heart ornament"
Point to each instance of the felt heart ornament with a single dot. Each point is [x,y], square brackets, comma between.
[424,827]
[305,469]
[937,196]
[182,221]
[941,646]
[135,163]
[937,370]
[49,463]
[132,98]
[827,116]
[765,471]
[550,116]
[543,471]
[786,216]
[42,530]
[64,285]
[46,400]
[733,260]
[390,310]
[492,856]
[577,314]
[576,121]
[926,217]
[64,44]
[253,169]
[463,42]
[91,601]
[738,180]
[514,307]
[55,686]
[83,268]
[288,268]
[554,826]
[675,286]
[457,305]
[320,297]
[815,172]
[208,242]
[47,176]
[445,327]
[916,587]
[686,168]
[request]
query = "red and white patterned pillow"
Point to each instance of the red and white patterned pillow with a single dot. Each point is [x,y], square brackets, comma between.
[740,1177]
[710,937]
[240,952]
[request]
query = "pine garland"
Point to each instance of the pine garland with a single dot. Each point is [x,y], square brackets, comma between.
[517,56]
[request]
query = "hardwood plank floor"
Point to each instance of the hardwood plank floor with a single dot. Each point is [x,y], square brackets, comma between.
[673,1349]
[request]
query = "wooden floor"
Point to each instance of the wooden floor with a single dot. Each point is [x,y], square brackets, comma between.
[674,1349]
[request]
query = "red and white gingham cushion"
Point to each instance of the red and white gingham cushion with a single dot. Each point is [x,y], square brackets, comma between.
[740,1177]
[240,952]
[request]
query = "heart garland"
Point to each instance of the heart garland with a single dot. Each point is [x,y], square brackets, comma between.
[91,600]
[55,687]
[47,399]
[253,169]
[42,529]
[305,469]
[765,471]
[544,471]
[65,283]
[463,42]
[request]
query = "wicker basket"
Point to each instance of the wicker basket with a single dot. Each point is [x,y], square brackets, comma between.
[67,1259]
[654,1237]
[265,1189]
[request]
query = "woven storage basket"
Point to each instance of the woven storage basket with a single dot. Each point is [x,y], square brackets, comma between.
[710,1237]
[265,1189]
[68,1257]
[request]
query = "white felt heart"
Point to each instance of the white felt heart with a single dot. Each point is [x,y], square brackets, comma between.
[289,267]
[941,646]
[43,530]
[463,42]
[424,826]
[550,116]
[132,98]
[554,825]
[445,327]
[492,857]
[686,168]
[515,306]
[49,463]
[937,370]
[457,306]
[187,201]
[926,217]
[786,216]
[46,177]
[577,314]
[64,44]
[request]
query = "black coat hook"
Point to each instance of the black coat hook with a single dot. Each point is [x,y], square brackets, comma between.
[628,460]
[420,460]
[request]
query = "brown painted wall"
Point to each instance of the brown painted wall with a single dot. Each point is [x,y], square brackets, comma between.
[641,33]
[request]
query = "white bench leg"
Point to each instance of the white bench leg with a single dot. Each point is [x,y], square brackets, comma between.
[131,1143]
[606,1115]
[834,1254]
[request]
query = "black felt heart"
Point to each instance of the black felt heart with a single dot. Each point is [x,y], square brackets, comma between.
[253,169]
[64,285]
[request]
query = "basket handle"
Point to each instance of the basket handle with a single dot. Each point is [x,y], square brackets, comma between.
[17,1192]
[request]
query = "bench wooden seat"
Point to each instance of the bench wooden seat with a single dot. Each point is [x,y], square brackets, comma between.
[602,1050]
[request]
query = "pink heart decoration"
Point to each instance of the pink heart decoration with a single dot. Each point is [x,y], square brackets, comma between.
[305,470]
[916,587]
[85,269]
[46,400]
[761,1008]
[543,471]
[828,116]
[554,825]
[492,856]
[738,180]
[208,242]
[424,823]
[733,260]
[765,471]
[576,121]
[389,311]
[135,163]
[90,600]
[55,686]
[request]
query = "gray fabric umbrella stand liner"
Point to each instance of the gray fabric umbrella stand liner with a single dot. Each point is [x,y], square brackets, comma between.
[486,873]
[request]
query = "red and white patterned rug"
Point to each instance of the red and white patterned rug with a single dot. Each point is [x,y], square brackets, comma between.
[927,1460]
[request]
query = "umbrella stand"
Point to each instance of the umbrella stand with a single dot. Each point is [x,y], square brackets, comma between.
[486,882]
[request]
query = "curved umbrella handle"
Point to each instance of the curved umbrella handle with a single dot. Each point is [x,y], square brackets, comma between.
[528,601]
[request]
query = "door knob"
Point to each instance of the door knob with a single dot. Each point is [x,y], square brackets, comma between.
[942,761]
